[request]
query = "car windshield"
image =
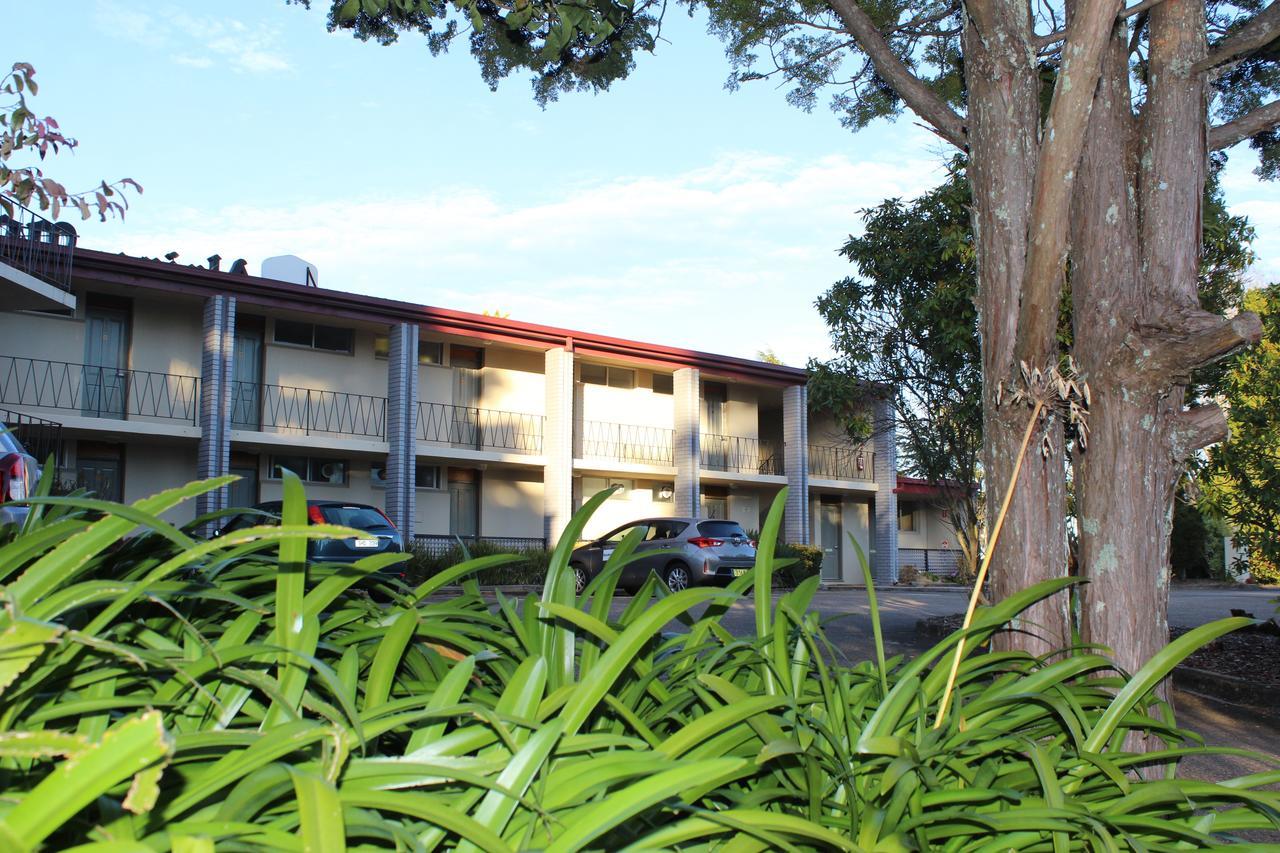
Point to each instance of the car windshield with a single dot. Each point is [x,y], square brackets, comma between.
[359,517]
[721,529]
[616,536]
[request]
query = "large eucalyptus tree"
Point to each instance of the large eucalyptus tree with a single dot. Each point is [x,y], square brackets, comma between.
[1088,126]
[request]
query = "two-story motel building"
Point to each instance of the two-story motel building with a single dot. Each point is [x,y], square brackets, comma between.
[455,423]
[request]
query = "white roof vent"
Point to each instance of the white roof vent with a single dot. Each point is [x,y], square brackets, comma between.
[292,269]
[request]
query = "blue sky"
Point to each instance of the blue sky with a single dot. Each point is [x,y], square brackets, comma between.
[668,209]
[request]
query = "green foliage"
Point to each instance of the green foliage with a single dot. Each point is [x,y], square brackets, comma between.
[529,568]
[1241,481]
[163,693]
[22,133]
[807,563]
[567,46]
[908,323]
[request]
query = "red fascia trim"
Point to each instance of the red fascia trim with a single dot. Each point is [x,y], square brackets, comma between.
[160,275]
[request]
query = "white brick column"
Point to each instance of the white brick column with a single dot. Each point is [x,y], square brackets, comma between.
[795,433]
[402,411]
[884,534]
[687,388]
[216,369]
[557,445]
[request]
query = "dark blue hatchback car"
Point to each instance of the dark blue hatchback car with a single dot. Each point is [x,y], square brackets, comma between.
[380,535]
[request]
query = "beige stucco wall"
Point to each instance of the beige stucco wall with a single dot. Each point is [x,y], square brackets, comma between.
[431,506]
[153,466]
[303,367]
[32,335]
[639,500]
[358,489]
[742,418]
[435,383]
[167,336]
[512,381]
[638,406]
[510,503]
[932,531]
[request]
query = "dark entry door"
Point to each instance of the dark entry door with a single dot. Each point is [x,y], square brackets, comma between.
[832,529]
[106,377]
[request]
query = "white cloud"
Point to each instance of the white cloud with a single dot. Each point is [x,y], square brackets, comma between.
[195,41]
[726,258]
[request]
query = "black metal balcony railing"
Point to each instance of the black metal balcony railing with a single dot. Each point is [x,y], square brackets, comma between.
[643,445]
[741,455]
[439,544]
[39,437]
[479,429]
[37,246]
[94,391]
[259,406]
[841,463]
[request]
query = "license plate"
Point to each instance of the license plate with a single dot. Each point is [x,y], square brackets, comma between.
[737,573]
[366,543]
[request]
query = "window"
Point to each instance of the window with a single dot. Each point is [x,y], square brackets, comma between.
[665,530]
[663,383]
[425,476]
[614,377]
[906,518]
[315,336]
[429,352]
[312,469]
[471,358]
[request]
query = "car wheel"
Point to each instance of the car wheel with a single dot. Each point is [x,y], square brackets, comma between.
[677,577]
[579,578]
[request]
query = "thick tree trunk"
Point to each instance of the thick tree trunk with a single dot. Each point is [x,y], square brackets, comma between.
[1139,329]
[1004,118]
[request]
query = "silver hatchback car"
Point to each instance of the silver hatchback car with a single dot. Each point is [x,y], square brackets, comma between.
[693,551]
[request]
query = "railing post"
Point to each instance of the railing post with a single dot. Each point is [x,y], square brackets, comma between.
[479,432]
[306,414]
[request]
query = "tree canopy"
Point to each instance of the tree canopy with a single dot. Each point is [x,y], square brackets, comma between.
[22,133]
[1242,475]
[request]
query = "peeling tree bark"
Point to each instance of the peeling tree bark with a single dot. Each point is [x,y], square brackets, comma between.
[1139,329]
[1004,121]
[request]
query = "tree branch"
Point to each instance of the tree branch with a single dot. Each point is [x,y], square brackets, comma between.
[1197,427]
[1263,118]
[1063,141]
[1139,9]
[1257,32]
[1187,340]
[922,100]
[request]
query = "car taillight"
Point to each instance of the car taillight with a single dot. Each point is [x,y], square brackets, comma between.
[315,515]
[753,543]
[390,523]
[705,542]
[13,478]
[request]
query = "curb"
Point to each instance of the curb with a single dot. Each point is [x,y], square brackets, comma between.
[1226,687]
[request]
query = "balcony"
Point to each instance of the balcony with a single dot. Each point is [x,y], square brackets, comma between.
[35,260]
[639,445]
[258,406]
[740,455]
[470,428]
[40,437]
[837,462]
[98,392]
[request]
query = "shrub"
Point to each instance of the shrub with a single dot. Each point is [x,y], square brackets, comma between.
[808,563]
[167,693]
[1263,570]
[530,567]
